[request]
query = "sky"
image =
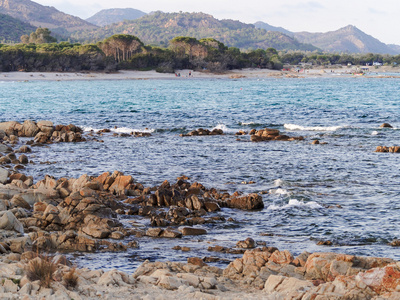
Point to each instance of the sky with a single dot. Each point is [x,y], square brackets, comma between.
[377,18]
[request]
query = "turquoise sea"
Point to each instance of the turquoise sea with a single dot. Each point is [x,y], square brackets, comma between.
[341,191]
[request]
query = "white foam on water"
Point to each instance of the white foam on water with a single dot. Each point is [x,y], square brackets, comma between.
[88,129]
[247,123]
[279,191]
[294,127]
[119,129]
[225,129]
[278,182]
[293,203]
[374,133]
[129,130]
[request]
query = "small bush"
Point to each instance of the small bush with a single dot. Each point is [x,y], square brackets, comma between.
[70,279]
[41,269]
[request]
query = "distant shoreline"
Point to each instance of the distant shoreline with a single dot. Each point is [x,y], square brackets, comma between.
[382,72]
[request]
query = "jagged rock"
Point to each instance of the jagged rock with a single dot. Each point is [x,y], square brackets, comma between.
[96,227]
[120,184]
[115,278]
[291,288]
[46,127]
[18,201]
[41,138]
[9,222]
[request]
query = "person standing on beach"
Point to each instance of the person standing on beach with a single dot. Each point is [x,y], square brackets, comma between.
[190,73]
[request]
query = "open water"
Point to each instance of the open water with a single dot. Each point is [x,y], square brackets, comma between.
[299,181]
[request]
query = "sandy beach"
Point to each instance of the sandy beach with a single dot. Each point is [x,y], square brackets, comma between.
[381,72]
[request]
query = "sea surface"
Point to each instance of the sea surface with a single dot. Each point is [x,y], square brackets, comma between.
[341,191]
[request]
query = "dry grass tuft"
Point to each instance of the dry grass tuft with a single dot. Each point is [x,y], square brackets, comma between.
[70,279]
[41,269]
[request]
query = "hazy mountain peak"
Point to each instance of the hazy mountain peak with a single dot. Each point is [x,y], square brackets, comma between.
[346,39]
[43,16]
[115,15]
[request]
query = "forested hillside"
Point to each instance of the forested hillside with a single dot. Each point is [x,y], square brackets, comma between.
[159,28]
[12,29]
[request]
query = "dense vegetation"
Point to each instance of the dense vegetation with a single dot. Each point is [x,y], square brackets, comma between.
[128,52]
[121,51]
[53,57]
[326,59]
[11,29]
[159,28]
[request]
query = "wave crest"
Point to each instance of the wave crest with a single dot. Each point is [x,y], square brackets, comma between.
[294,127]
[293,203]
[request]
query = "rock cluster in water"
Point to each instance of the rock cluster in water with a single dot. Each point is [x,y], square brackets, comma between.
[268,134]
[42,132]
[202,132]
[394,149]
[81,214]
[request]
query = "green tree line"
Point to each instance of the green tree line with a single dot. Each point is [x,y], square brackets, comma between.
[40,52]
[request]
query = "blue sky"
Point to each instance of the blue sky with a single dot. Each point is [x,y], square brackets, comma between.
[380,21]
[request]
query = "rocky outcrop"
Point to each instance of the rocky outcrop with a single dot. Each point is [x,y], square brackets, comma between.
[42,131]
[268,134]
[202,132]
[394,149]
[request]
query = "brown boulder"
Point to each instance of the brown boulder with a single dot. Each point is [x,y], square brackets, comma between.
[249,202]
[120,183]
[25,149]
[196,261]
[29,129]
[386,125]
[46,126]
[41,138]
[171,233]
[248,243]
[212,206]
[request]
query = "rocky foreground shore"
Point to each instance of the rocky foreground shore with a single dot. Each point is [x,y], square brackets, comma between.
[41,219]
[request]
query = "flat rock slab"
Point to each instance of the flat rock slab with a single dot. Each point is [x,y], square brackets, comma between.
[193,231]
[3,175]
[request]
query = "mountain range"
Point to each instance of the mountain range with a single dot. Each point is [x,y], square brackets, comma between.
[158,28]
